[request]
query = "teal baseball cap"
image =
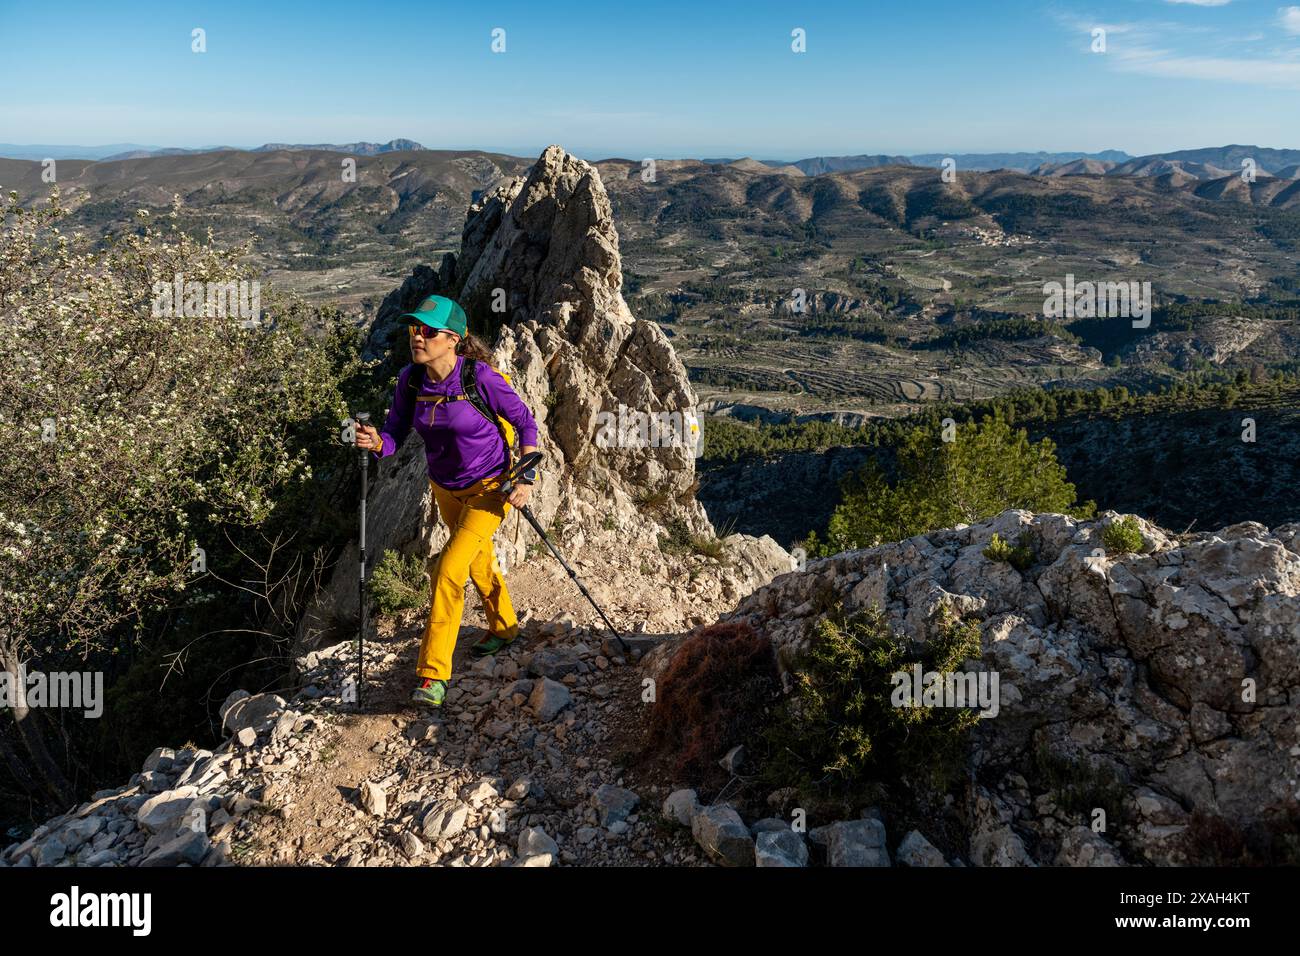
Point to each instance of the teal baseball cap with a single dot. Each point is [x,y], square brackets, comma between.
[439,312]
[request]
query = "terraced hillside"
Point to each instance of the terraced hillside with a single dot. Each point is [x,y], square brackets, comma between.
[846,295]
[911,287]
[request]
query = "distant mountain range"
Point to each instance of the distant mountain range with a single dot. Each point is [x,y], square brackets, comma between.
[819,165]
[343,240]
[1022,162]
[1214,162]
[1211,163]
[37,151]
[119,151]
[357,149]
[974,162]
[1207,163]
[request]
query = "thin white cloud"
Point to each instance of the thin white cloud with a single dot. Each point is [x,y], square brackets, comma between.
[1152,48]
[1203,3]
[1257,72]
[1149,30]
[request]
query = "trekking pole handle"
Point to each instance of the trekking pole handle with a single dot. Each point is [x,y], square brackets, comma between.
[362,420]
[525,463]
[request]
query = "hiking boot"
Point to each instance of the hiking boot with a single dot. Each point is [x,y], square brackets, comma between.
[490,645]
[430,692]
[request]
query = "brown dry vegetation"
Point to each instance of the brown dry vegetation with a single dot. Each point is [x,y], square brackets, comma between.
[720,678]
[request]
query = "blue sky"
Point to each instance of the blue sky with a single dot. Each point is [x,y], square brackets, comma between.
[657,79]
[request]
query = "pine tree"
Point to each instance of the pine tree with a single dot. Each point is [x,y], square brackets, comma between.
[985,470]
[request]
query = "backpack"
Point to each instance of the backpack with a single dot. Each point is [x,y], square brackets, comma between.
[468,392]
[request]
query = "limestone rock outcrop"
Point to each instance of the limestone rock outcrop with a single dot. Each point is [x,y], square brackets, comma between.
[1171,676]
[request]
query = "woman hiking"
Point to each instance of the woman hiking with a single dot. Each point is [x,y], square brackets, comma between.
[467,459]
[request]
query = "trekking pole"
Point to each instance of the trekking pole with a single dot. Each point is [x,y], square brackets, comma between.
[524,464]
[363,419]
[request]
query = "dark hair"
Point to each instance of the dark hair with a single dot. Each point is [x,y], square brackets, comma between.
[471,346]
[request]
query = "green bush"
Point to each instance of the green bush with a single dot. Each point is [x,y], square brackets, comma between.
[1123,536]
[998,549]
[1020,557]
[648,499]
[178,497]
[399,583]
[986,469]
[708,547]
[840,726]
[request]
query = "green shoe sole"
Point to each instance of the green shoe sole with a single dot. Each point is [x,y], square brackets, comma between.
[431,696]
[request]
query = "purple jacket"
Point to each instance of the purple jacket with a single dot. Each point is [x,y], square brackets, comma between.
[462,447]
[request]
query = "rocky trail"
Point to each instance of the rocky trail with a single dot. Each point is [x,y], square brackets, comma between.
[523,765]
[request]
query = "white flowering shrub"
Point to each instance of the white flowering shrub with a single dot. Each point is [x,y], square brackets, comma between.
[135,438]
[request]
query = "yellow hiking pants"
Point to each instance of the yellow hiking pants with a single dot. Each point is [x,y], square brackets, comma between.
[472,516]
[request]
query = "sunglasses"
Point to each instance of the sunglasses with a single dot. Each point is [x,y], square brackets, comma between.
[426,331]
